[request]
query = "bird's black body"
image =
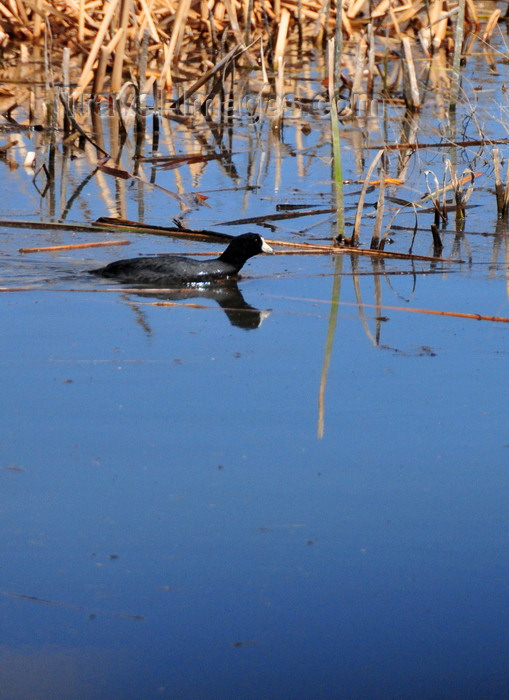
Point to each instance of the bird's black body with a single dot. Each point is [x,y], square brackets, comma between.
[168,270]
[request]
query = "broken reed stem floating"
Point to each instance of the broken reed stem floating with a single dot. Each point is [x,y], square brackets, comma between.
[431,312]
[72,246]
[312,249]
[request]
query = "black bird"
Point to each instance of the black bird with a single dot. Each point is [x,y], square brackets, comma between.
[167,270]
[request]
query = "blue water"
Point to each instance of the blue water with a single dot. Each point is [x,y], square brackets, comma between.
[176,474]
[182,517]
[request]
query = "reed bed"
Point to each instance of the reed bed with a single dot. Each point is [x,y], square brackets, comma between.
[168,42]
[119,53]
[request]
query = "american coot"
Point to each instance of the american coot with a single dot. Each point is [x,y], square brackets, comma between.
[168,270]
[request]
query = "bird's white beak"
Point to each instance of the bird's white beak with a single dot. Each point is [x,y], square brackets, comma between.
[266,247]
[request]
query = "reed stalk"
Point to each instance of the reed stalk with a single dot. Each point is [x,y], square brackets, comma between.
[491,24]
[87,74]
[81,21]
[499,187]
[284,22]
[360,62]
[119,57]
[337,168]
[362,197]
[456,64]
[65,88]
[100,71]
[411,88]
[377,229]
[165,80]
[501,191]
[249,19]
[277,117]
[338,53]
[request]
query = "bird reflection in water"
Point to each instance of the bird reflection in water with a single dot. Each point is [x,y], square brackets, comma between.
[227,295]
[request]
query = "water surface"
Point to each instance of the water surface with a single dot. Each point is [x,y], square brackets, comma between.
[310,503]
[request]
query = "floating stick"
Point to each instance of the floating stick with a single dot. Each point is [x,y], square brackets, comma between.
[72,246]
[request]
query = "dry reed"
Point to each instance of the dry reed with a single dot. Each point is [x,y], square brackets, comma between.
[185,38]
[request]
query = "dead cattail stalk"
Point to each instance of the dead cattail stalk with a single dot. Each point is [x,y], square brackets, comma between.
[234,21]
[38,19]
[360,63]
[118,63]
[502,193]
[434,195]
[21,12]
[499,187]
[460,197]
[440,25]
[491,24]
[100,71]
[104,57]
[65,81]
[395,22]
[458,46]
[362,196]
[222,64]
[87,74]
[248,19]
[165,79]
[505,206]
[437,241]
[471,12]
[81,21]
[284,22]
[411,88]
[354,8]
[277,117]
[148,20]
[377,229]
[371,60]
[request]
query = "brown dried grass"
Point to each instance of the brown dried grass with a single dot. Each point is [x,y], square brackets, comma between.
[186,36]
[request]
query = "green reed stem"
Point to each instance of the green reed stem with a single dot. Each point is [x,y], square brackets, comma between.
[336,147]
